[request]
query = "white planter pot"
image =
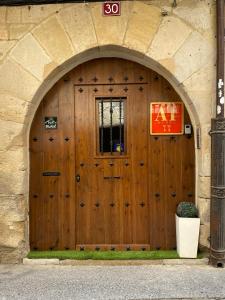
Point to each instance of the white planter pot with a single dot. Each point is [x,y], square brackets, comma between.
[187,234]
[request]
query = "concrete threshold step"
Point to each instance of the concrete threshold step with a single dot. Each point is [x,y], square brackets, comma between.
[90,262]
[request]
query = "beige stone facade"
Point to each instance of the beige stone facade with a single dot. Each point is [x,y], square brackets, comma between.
[39,44]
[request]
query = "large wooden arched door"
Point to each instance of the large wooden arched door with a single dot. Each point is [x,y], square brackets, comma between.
[98,179]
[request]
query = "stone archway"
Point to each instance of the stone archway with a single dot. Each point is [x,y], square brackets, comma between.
[33,65]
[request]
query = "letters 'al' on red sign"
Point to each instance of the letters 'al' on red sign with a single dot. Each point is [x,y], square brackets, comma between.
[166,118]
[111,8]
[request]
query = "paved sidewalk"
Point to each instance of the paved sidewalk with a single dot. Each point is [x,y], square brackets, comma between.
[111,282]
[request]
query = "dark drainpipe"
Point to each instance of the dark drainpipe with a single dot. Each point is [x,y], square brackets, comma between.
[217,210]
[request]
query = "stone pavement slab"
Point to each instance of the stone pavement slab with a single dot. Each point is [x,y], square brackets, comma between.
[111,282]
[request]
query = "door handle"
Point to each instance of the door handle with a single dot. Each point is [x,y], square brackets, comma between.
[77,178]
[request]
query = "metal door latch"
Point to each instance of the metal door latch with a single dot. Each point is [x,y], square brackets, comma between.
[77,178]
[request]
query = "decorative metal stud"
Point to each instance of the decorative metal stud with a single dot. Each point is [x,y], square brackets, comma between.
[95,79]
[128,248]
[95,90]
[51,139]
[51,248]
[168,88]
[66,139]
[110,89]
[35,196]
[35,139]
[173,138]
[141,163]
[156,78]
[141,78]
[80,79]
[140,88]
[156,138]
[82,204]
[127,204]
[81,164]
[126,163]
[125,89]
[80,90]
[190,194]
[110,79]
[112,248]
[112,204]
[67,248]
[158,248]
[142,204]
[143,248]
[81,248]
[157,195]
[67,195]
[97,204]
[111,164]
[173,194]
[66,79]
[96,164]
[97,248]
[51,195]
[125,78]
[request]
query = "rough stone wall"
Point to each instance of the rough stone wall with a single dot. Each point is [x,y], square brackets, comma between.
[40,43]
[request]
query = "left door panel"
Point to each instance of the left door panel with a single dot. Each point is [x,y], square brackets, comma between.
[52,195]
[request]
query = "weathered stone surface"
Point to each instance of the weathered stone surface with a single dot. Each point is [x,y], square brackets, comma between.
[41,261]
[78,23]
[11,135]
[13,109]
[204,187]
[2,14]
[60,48]
[204,210]
[204,235]
[13,176]
[14,14]
[170,26]
[12,233]
[31,56]
[205,156]
[12,208]
[3,32]
[194,53]
[111,30]
[37,13]
[198,14]
[15,80]
[143,23]
[17,31]
[5,46]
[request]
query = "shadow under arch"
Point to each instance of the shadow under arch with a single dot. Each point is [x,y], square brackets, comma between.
[110,51]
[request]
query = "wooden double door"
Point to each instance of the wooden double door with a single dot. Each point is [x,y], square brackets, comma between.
[98,179]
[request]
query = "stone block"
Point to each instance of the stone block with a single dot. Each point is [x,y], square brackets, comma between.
[11,135]
[15,80]
[17,31]
[14,175]
[53,38]
[2,14]
[204,235]
[5,47]
[12,233]
[204,210]
[204,187]
[143,23]
[37,13]
[41,261]
[31,56]
[13,208]
[14,14]
[194,53]
[14,109]
[78,24]
[3,32]
[199,14]
[169,27]
[205,155]
[111,30]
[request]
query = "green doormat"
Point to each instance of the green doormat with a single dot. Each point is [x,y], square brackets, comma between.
[105,255]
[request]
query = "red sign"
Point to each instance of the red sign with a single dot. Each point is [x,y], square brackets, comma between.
[166,118]
[111,8]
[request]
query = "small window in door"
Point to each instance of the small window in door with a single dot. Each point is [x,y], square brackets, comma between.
[110,114]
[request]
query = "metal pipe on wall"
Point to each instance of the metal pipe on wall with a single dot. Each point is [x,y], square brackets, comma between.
[217,209]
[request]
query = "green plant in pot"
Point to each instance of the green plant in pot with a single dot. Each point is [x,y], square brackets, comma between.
[187,229]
